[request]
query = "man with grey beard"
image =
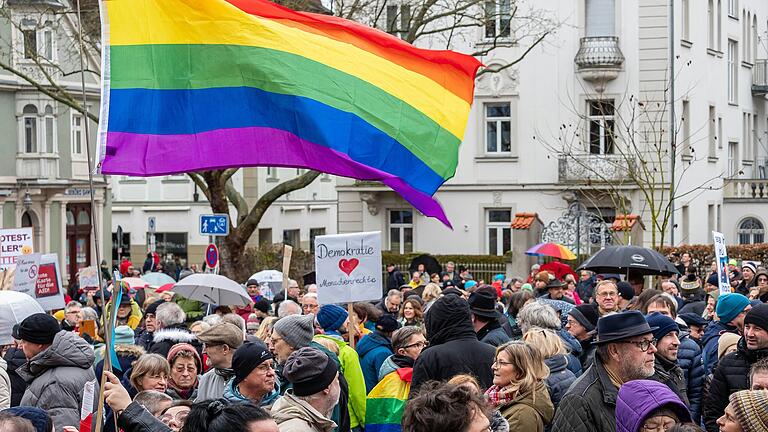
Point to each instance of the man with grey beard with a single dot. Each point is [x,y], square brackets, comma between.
[625,352]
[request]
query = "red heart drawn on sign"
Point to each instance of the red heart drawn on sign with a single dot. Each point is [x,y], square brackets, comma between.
[348,265]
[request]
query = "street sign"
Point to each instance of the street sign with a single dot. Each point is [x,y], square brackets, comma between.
[151,224]
[211,256]
[214,225]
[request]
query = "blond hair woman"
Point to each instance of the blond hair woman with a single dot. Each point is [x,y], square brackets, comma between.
[556,359]
[431,293]
[518,389]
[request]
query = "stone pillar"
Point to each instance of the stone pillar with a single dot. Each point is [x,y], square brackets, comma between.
[47,226]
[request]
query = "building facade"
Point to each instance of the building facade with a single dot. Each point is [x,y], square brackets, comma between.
[568,133]
[44,179]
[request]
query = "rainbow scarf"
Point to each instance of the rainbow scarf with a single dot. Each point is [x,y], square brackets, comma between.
[386,402]
[209,84]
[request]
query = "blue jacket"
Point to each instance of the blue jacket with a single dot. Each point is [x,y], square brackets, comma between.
[711,336]
[690,361]
[373,349]
[560,378]
[573,346]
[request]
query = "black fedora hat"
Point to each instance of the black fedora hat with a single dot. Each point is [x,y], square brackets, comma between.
[555,283]
[620,326]
[483,304]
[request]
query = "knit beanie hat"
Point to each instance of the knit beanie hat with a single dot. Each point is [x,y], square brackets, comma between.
[247,358]
[625,290]
[310,371]
[586,315]
[751,408]
[725,342]
[251,282]
[39,328]
[296,330]
[749,265]
[124,335]
[664,323]
[758,316]
[179,347]
[713,280]
[527,287]
[730,305]
[38,417]
[331,317]
[262,305]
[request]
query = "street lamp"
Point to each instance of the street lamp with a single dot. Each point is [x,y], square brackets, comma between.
[27,201]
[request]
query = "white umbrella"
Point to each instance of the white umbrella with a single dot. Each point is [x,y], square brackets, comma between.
[212,288]
[268,276]
[156,279]
[14,307]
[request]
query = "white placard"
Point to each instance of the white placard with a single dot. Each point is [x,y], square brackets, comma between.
[88,277]
[39,277]
[721,255]
[25,278]
[14,242]
[348,267]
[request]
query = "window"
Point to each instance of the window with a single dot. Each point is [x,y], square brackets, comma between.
[733,159]
[600,18]
[686,224]
[78,134]
[398,19]
[30,43]
[30,128]
[711,26]
[601,126]
[498,129]
[499,231]
[401,231]
[265,236]
[48,44]
[733,71]
[314,232]
[685,29]
[686,129]
[712,132]
[171,245]
[720,25]
[291,237]
[710,221]
[751,231]
[720,133]
[747,136]
[50,129]
[733,8]
[498,16]
[125,246]
[754,40]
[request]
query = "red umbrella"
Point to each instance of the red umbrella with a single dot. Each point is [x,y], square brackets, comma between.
[164,288]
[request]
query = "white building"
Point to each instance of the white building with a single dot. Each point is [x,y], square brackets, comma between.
[606,59]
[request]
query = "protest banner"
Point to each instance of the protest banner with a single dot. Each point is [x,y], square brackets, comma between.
[348,267]
[39,277]
[14,242]
[721,256]
[88,278]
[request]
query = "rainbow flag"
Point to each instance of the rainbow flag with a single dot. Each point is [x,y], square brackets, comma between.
[386,402]
[208,84]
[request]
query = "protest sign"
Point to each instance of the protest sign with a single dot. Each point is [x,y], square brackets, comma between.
[88,278]
[348,267]
[38,276]
[14,242]
[721,255]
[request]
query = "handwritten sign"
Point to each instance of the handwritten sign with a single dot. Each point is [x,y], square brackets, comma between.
[88,278]
[348,267]
[14,242]
[721,255]
[39,277]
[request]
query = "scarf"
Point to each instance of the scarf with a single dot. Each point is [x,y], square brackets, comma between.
[402,361]
[184,393]
[225,373]
[497,396]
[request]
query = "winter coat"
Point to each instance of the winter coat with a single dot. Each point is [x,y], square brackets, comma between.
[709,341]
[193,308]
[212,384]
[5,386]
[295,415]
[560,378]
[493,334]
[730,376]
[395,279]
[669,373]
[15,359]
[144,339]
[386,402]
[586,288]
[587,355]
[350,367]
[454,348]
[126,355]
[373,350]
[690,361]
[165,338]
[589,404]
[136,418]
[57,376]
[511,328]
[633,407]
[573,346]
[529,412]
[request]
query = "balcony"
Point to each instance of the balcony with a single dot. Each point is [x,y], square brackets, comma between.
[599,59]
[593,168]
[745,189]
[760,78]
[37,166]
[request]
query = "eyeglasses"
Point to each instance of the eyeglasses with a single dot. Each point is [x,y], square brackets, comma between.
[421,344]
[501,363]
[608,294]
[275,340]
[179,417]
[309,306]
[644,344]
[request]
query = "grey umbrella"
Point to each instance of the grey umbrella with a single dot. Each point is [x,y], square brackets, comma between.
[212,288]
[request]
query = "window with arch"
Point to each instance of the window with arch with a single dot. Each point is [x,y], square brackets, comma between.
[26,220]
[751,231]
[30,128]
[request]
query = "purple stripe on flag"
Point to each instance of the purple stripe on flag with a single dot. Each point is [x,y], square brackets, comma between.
[151,155]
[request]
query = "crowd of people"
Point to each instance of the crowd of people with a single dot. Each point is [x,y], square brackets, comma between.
[556,351]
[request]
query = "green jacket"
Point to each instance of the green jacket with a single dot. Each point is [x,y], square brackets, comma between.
[193,308]
[350,367]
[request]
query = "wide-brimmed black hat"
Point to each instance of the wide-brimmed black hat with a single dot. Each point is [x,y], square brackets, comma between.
[483,304]
[620,326]
[555,283]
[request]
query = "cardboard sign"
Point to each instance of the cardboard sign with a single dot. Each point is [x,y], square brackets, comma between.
[39,277]
[348,267]
[721,255]
[14,243]
[88,278]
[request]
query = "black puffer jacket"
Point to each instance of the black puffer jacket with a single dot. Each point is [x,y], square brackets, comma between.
[671,374]
[690,360]
[136,418]
[560,378]
[590,403]
[453,346]
[731,375]
[15,359]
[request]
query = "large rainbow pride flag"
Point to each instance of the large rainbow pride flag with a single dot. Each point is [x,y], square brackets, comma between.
[192,85]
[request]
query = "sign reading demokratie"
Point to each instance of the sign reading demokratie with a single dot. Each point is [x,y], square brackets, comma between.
[348,267]
[14,242]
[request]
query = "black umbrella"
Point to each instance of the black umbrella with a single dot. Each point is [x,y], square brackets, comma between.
[431,264]
[629,259]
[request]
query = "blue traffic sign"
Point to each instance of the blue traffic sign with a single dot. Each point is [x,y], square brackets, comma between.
[212,256]
[214,225]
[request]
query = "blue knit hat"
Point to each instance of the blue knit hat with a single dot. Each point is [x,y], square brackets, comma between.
[38,417]
[730,305]
[124,335]
[331,317]
[664,323]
